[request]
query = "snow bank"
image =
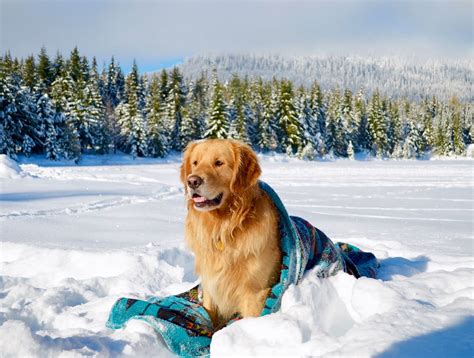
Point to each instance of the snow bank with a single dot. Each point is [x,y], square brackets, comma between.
[79,236]
[55,301]
[9,169]
[345,317]
[470,151]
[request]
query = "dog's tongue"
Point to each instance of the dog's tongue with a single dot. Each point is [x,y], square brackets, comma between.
[199,199]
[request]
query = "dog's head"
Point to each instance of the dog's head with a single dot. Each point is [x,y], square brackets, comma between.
[215,170]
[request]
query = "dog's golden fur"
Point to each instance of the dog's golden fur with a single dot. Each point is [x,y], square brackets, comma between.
[235,242]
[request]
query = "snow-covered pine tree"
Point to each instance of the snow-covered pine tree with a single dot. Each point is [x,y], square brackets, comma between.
[29,75]
[262,115]
[290,132]
[336,136]
[131,118]
[175,103]
[440,140]
[45,70]
[377,126]
[361,140]
[308,123]
[48,117]
[307,118]
[249,113]
[456,128]
[413,146]
[348,122]
[194,115]
[393,126]
[272,111]
[429,109]
[467,120]
[95,111]
[237,111]
[57,67]
[62,95]
[157,139]
[318,109]
[19,130]
[85,69]
[218,117]
[164,86]
[198,103]
[114,85]
[10,127]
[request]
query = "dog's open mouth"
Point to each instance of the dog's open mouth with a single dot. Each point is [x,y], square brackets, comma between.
[201,201]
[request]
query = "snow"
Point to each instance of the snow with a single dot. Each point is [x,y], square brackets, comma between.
[9,168]
[75,238]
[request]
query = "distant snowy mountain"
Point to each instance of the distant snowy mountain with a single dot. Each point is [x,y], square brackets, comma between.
[395,77]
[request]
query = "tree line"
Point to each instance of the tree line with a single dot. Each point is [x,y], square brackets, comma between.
[64,107]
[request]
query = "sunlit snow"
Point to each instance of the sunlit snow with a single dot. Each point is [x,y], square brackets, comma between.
[75,238]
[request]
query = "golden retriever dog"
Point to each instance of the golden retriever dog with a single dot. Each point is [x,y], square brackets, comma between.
[231,226]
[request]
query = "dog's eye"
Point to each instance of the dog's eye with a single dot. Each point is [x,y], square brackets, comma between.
[218,163]
[195,163]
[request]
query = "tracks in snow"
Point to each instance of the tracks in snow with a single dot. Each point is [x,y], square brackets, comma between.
[163,194]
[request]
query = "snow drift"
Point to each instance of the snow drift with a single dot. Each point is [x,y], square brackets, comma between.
[9,169]
[75,238]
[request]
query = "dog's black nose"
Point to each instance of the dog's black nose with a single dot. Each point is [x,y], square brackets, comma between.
[194,181]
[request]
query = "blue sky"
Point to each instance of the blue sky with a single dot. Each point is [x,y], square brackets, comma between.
[160,33]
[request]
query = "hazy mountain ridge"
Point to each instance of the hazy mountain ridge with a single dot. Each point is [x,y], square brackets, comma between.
[393,76]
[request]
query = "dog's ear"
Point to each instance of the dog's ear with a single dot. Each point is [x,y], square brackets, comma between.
[186,165]
[246,167]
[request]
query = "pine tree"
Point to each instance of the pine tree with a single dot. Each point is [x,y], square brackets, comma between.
[29,75]
[218,121]
[157,140]
[336,135]
[393,126]
[175,103]
[57,67]
[377,126]
[348,121]
[429,109]
[319,111]
[49,117]
[413,146]
[62,95]
[194,115]
[238,115]
[45,70]
[440,143]
[457,130]
[131,118]
[19,132]
[467,120]
[290,133]
[361,137]
[95,111]
[113,85]
[10,128]
[76,66]
[164,87]
[307,118]
[265,137]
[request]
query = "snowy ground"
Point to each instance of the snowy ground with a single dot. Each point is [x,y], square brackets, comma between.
[75,238]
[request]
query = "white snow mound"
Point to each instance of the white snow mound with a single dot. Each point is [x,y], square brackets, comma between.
[78,237]
[9,169]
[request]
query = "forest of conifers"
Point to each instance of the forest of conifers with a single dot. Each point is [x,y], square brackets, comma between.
[64,107]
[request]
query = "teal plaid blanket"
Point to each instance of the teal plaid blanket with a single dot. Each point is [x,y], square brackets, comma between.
[184,323]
